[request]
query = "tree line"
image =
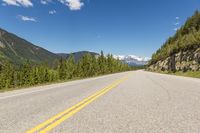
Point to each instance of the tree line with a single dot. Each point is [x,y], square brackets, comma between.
[28,74]
[187,37]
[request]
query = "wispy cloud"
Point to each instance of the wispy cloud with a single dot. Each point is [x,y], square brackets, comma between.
[45,2]
[26,18]
[175,29]
[73,4]
[177,23]
[52,12]
[24,3]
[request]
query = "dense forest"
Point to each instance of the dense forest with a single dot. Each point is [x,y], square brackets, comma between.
[28,74]
[187,37]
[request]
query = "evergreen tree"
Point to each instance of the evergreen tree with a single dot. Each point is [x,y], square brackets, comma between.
[88,66]
[70,67]
[102,63]
[62,69]
[7,75]
[187,37]
[26,73]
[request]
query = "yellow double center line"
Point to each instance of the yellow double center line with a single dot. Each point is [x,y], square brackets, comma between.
[61,117]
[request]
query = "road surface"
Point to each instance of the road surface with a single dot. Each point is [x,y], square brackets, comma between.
[129,102]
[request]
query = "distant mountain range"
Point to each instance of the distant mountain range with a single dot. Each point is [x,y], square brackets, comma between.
[18,50]
[78,55]
[133,60]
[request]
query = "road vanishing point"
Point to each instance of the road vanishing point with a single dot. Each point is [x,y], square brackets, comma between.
[128,102]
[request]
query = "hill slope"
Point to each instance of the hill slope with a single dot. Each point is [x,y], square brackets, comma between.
[18,50]
[182,51]
[77,55]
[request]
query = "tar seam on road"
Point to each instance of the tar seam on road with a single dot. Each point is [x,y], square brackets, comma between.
[53,122]
[161,86]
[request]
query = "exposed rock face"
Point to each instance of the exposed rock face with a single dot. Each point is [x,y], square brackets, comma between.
[2,45]
[183,61]
[1,33]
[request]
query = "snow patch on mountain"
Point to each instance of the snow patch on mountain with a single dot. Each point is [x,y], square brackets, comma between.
[133,60]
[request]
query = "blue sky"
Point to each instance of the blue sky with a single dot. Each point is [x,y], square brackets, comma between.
[120,27]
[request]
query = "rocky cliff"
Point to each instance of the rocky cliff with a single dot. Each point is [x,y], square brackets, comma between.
[188,60]
[181,52]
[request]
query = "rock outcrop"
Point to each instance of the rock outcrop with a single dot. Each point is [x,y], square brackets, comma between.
[2,45]
[188,60]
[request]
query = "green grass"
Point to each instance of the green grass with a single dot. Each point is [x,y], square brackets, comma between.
[194,74]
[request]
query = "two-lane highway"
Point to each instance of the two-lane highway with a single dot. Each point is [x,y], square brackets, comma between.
[118,103]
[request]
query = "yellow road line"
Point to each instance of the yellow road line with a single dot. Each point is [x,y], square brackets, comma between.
[59,118]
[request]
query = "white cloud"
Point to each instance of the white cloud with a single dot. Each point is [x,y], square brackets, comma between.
[73,4]
[175,29]
[45,2]
[52,12]
[25,18]
[177,18]
[177,23]
[25,3]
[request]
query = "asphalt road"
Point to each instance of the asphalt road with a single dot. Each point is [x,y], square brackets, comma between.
[127,102]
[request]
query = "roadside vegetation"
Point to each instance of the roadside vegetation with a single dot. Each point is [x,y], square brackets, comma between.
[187,37]
[193,74]
[27,74]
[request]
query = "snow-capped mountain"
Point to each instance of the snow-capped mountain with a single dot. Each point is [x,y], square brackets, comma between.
[133,60]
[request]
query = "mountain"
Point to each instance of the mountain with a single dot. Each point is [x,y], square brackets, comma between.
[77,55]
[180,52]
[18,50]
[133,60]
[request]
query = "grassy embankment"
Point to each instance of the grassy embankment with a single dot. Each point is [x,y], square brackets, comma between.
[193,74]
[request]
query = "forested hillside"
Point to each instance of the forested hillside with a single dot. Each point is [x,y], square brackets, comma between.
[180,52]
[187,37]
[77,55]
[18,50]
[65,69]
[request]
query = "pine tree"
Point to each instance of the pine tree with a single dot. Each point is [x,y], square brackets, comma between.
[70,67]
[95,67]
[102,63]
[62,69]
[86,65]
[26,73]
[29,74]
[7,75]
